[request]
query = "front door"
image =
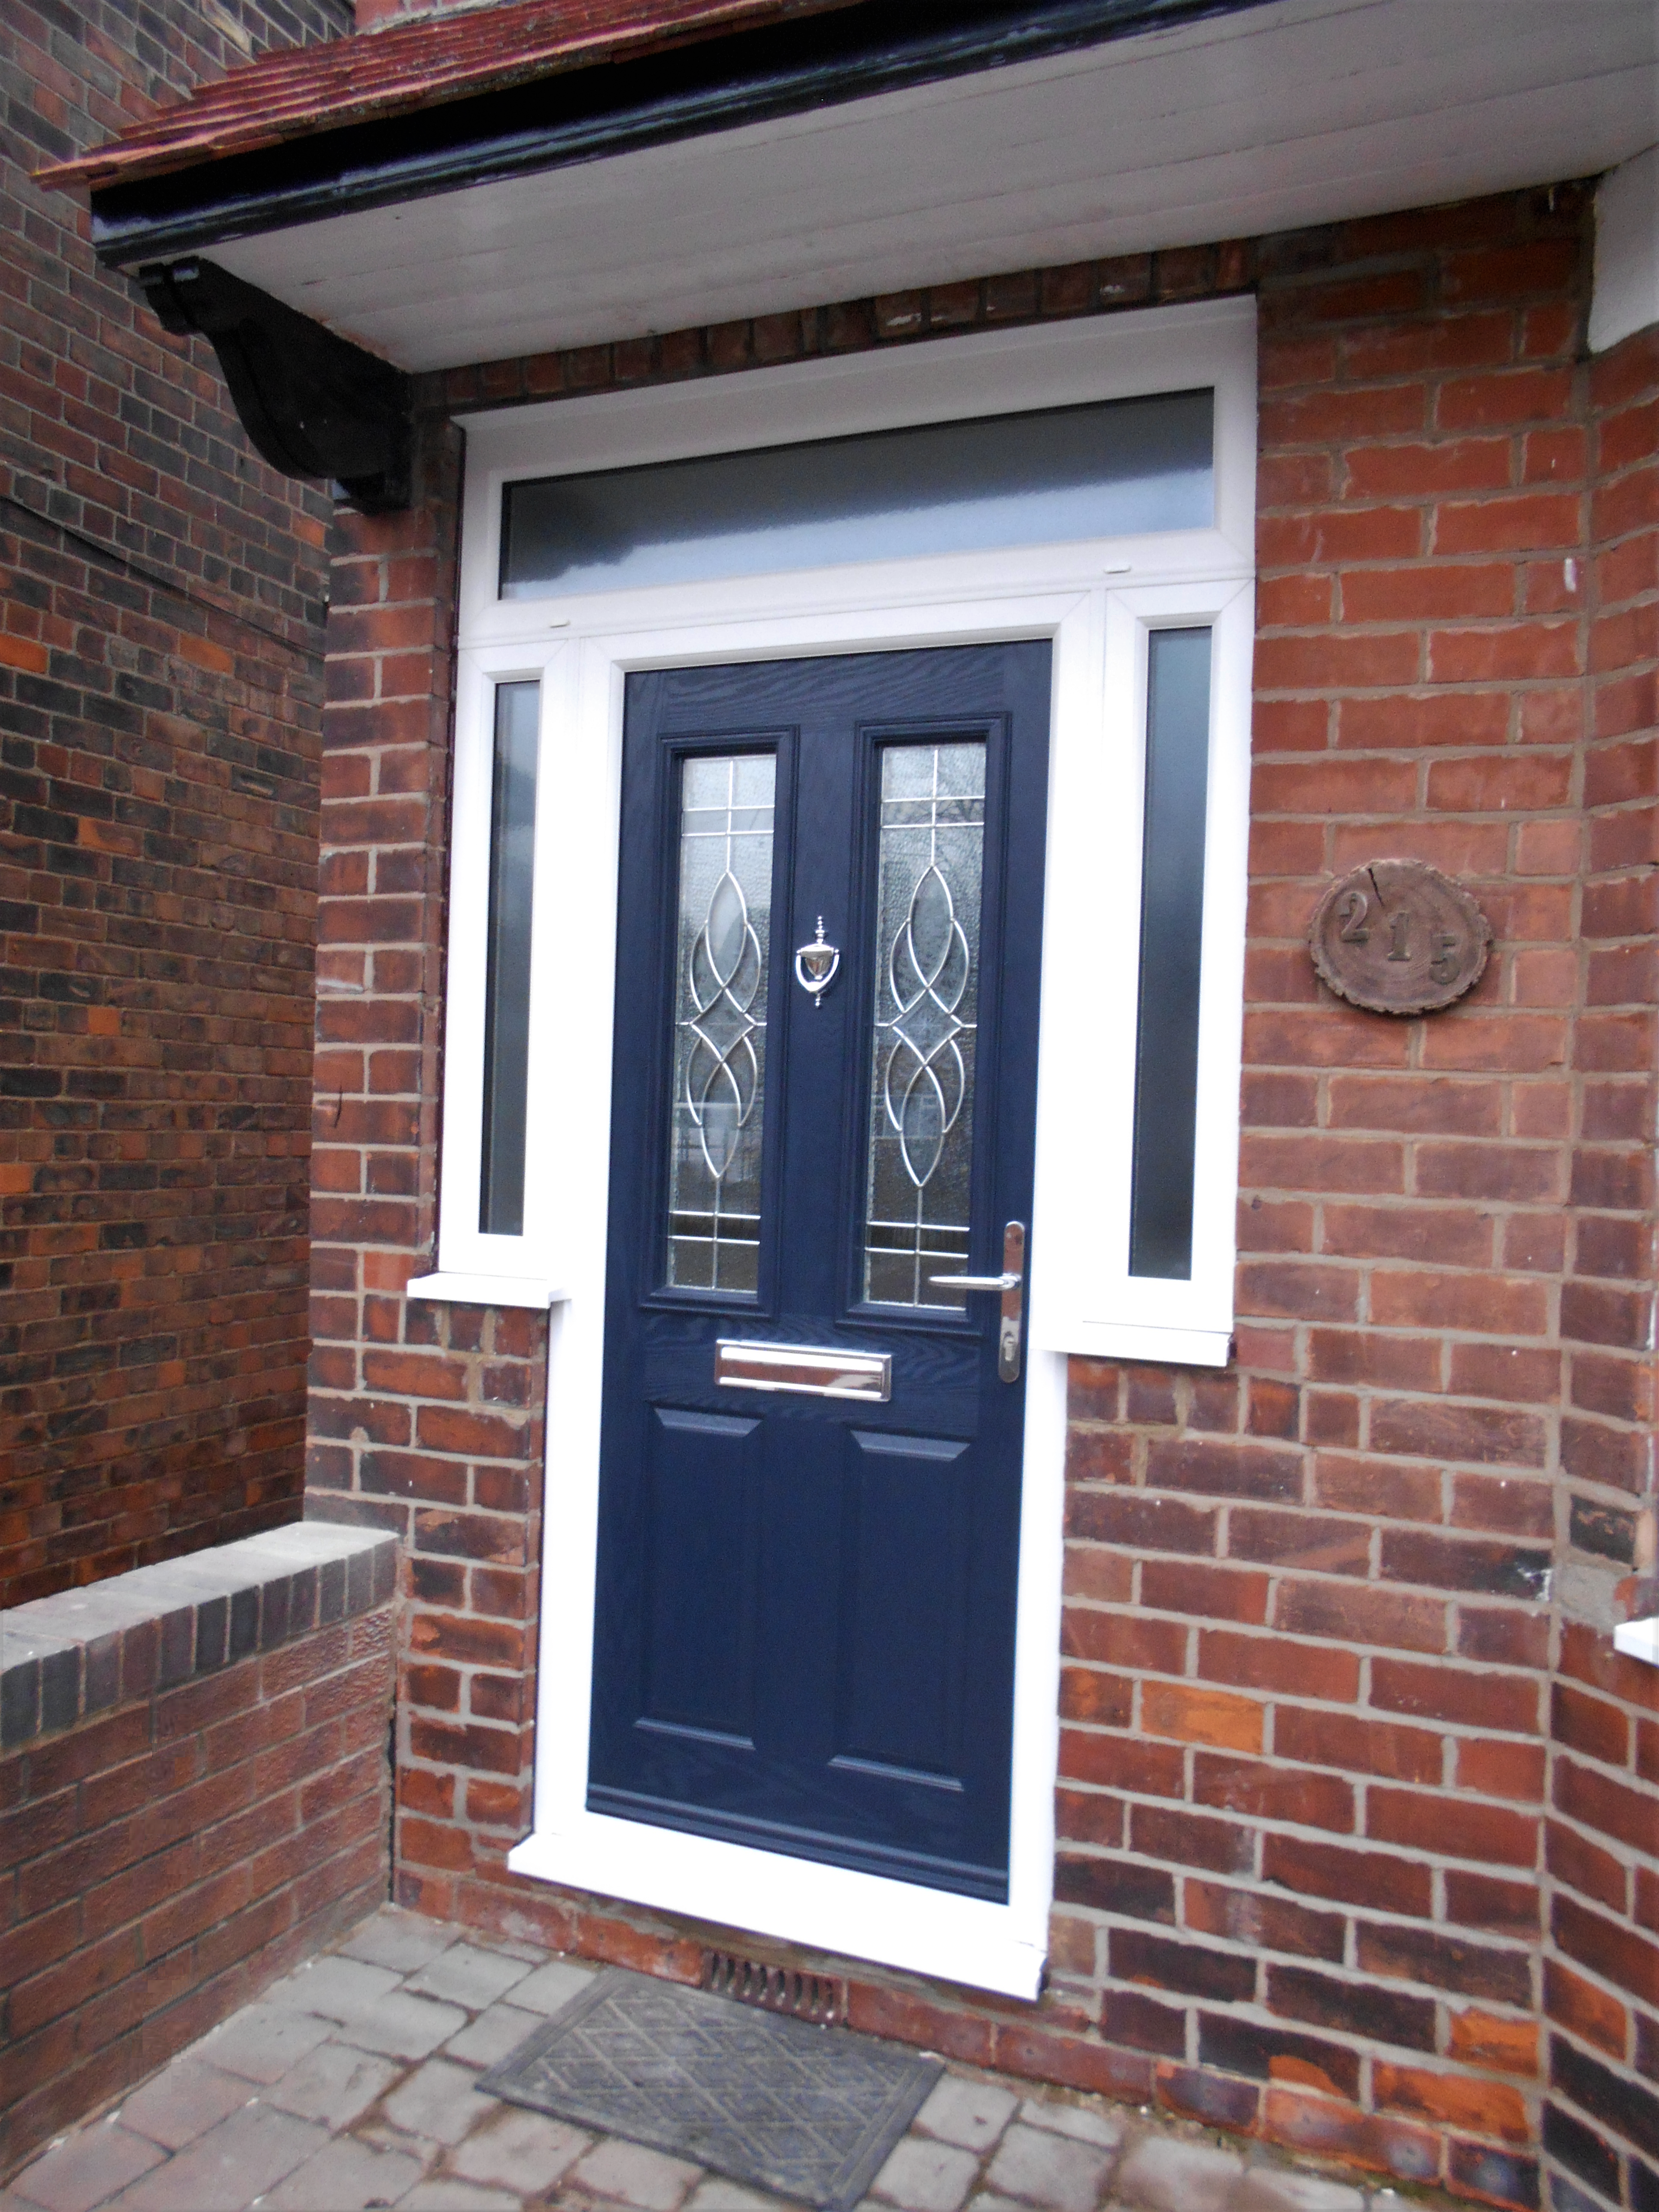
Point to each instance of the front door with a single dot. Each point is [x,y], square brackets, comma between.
[824,1088]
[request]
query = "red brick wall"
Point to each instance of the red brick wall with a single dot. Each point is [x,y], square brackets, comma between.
[1602,1951]
[199,1829]
[1311,1622]
[160,607]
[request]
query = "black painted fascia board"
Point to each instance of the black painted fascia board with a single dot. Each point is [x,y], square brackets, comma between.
[578,116]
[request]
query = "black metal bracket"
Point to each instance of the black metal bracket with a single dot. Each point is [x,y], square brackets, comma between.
[313,404]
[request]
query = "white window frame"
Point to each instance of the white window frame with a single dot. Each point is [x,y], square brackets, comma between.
[1096,601]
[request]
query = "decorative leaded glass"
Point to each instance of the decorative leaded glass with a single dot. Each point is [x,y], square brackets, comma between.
[929,887]
[724,943]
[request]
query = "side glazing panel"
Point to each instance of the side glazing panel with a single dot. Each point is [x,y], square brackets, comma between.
[929,881]
[723,948]
[1171,936]
[506,973]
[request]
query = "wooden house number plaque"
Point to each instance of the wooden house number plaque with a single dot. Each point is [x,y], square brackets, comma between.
[1397,937]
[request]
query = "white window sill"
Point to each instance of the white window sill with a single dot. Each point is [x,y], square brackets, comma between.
[1115,1340]
[534,1290]
[1638,1639]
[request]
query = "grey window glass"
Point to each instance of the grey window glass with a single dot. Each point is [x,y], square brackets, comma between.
[506,976]
[723,952]
[1171,927]
[1058,474]
[929,871]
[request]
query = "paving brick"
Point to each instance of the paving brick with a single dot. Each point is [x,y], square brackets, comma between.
[240,2160]
[402,1941]
[492,2035]
[717,2194]
[334,1988]
[1050,2170]
[520,2150]
[645,2178]
[183,2101]
[84,2169]
[403,2027]
[439,2101]
[551,1987]
[971,2114]
[1167,2175]
[457,2197]
[334,2084]
[1275,2189]
[261,2042]
[464,1975]
[346,2175]
[927,2177]
[1080,2121]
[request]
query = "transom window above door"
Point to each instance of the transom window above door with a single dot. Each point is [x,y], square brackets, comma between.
[1119,468]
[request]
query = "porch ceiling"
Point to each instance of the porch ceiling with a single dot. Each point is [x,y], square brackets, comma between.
[1266,118]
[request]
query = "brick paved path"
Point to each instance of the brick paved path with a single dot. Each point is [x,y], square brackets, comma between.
[351,2085]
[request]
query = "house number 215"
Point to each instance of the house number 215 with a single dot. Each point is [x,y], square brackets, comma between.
[1397,937]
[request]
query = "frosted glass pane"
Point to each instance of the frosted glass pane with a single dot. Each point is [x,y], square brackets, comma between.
[1105,471]
[928,877]
[723,947]
[1171,933]
[506,979]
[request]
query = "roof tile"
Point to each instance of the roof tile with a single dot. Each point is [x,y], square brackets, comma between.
[300,91]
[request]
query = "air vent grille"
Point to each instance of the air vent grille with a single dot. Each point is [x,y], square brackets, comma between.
[820,1998]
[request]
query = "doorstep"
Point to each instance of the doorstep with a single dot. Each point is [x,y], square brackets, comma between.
[353,2083]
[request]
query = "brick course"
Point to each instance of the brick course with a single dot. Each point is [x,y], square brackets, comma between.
[1314,1603]
[161,596]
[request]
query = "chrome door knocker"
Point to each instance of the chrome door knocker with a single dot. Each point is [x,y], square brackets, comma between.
[815,964]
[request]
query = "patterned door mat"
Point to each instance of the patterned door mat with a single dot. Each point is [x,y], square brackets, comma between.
[810,2113]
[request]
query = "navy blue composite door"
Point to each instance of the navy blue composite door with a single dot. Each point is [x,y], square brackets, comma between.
[824,1095]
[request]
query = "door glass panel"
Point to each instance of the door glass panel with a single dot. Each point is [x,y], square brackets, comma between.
[929,875]
[1055,475]
[506,973]
[724,945]
[1171,933]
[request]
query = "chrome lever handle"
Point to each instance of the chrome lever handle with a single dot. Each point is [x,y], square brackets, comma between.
[1010,1285]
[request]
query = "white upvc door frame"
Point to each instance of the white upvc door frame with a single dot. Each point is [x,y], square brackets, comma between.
[1097,602]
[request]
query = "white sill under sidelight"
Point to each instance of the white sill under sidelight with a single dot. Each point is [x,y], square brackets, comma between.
[1638,1639]
[459,1290]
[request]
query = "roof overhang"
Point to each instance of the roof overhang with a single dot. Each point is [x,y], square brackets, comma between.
[827,158]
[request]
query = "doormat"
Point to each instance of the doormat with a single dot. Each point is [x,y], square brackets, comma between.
[810,2112]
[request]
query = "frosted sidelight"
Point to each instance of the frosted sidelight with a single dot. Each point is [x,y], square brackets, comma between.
[1171,927]
[723,955]
[929,875]
[506,977]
